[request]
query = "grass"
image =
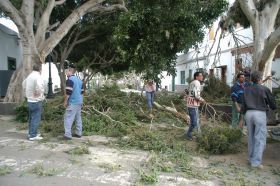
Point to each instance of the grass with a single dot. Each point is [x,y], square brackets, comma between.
[41,171]
[4,170]
[78,151]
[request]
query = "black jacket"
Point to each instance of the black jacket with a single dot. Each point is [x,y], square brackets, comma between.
[257,97]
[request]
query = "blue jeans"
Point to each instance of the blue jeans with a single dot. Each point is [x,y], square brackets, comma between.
[73,112]
[35,111]
[150,99]
[257,131]
[194,116]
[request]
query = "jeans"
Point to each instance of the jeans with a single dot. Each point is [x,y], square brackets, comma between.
[257,131]
[235,116]
[194,116]
[150,99]
[35,111]
[73,112]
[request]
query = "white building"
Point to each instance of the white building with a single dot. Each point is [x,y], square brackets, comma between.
[225,59]
[10,49]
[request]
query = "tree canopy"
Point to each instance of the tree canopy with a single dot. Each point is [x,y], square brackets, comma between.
[150,33]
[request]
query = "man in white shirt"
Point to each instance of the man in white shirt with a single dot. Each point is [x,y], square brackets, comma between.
[33,86]
[193,102]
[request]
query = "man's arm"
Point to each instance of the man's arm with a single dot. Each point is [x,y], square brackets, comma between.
[197,91]
[68,92]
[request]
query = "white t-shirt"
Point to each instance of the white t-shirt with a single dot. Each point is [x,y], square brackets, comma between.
[193,98]
[33,86]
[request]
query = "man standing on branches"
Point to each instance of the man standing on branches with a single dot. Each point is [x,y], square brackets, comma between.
[194,99]
[73,103]
[257,100]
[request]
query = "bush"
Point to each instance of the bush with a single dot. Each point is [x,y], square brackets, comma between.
[22,112]
[216,91]
[219,139]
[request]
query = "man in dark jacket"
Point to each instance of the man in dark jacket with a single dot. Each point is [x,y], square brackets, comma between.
[236,95]
[257,99]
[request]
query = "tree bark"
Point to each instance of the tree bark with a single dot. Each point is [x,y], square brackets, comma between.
[266,36]
[15,92]
[24,19]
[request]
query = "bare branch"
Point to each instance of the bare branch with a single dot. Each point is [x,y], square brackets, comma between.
[270,46]
[13,13]
[249,9]
[53,26]
[67,24]
[43,24]
[60,2]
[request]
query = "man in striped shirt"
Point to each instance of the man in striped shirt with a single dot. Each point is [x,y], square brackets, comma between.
[73,103]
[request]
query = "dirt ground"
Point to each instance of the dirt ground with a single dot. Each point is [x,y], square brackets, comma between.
[24,162]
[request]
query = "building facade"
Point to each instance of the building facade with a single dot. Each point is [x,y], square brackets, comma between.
[221,57]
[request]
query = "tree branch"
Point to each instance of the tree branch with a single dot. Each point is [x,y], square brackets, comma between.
[13,13]
[270,46]
[67,24]
[53,26]
[249,9]
[43,24]
[60,2]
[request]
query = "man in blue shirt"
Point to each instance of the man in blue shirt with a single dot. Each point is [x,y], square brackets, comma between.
[73,103]
[236,95]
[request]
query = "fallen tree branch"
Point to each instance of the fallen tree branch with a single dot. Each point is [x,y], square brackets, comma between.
[105,115]
[183,116]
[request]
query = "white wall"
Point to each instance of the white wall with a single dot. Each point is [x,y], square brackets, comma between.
[199,58]
[10,46]
[55,76]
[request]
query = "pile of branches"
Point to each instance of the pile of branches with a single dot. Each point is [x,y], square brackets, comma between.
[111,112]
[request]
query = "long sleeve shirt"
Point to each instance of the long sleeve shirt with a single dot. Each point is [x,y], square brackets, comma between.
[237,91]
[33,86]
[257,97]
[194,97]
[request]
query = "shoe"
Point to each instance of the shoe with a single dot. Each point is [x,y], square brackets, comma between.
[76,136]
[39,135]
[185,136]
[258,167]
[66,138]
[36,138]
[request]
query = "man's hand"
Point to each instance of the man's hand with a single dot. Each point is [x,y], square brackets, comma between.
[237,107]
[65,104]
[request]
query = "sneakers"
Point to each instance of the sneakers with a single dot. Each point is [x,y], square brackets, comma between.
[66,138]
[76,136]
[36,138]
[258,167]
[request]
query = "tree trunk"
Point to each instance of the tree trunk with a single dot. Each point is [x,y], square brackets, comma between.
[262,31]
[15,92]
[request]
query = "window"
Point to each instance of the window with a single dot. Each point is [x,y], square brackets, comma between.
[183,77]
[190,75]
[12,63]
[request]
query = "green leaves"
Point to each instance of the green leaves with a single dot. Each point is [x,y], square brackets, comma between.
[151,33]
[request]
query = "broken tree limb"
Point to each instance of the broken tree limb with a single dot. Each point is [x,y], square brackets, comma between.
[173,110]
[105,115]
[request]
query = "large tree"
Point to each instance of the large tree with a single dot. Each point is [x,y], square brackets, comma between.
[264,18]
[150,33]
[32,18]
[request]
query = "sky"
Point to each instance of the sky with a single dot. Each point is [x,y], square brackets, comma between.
[8,23]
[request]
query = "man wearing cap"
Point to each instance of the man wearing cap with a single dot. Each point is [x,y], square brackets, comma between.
[73,103]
